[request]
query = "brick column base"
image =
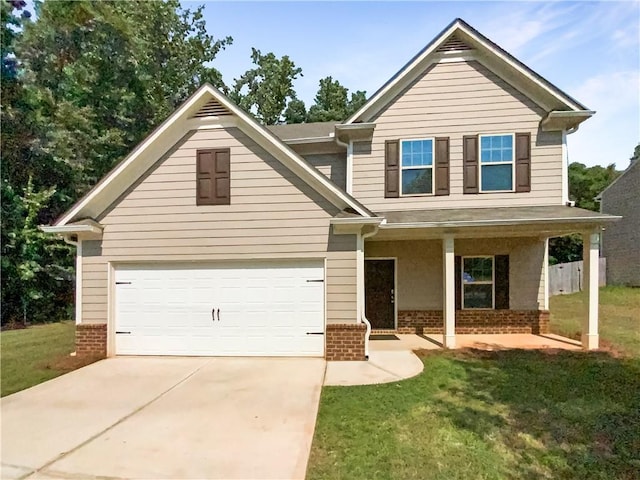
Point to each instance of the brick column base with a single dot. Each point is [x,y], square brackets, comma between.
[345,341]
[91,340]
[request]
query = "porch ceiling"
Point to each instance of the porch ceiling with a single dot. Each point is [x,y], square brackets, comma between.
[540,221]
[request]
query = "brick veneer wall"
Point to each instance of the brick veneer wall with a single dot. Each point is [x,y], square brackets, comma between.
[345,341]
[91,340]
[475,321]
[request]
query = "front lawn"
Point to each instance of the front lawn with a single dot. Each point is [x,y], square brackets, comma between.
[498,415]
[619,317]
[487,415]
[33,355]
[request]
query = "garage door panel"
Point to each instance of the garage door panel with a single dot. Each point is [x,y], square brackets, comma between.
[259,309]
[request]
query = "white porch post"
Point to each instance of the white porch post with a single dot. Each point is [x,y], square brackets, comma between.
[590,257]
[449,289]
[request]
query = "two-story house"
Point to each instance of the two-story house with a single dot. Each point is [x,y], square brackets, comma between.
[429,210]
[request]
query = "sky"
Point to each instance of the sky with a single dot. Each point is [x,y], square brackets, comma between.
[590,50]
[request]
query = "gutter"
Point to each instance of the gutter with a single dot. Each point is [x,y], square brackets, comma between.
[67,230]
[488,223]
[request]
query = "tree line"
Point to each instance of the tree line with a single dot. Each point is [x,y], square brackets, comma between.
[82,82]
[81,85]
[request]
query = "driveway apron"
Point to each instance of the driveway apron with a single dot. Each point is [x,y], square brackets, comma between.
[171,418]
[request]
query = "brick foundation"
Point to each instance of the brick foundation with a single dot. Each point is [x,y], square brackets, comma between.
[475,321]
[345,341]
[91,340]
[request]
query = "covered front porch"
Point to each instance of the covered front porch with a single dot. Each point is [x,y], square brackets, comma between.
[445,274]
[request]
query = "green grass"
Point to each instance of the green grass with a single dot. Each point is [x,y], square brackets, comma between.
[510,414]
[619,317]
[33,355]
[487,415]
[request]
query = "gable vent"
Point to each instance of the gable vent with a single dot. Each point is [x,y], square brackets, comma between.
[212,109]
[453,43]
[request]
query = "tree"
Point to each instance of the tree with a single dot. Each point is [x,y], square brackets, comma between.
[295,112]
[332,102]
[636,155]
[267,89]
[80,87]
[585,183]
[105,73]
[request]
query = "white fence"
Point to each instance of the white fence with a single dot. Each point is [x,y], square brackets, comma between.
[567,277]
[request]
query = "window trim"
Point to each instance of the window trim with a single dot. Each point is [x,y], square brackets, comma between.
[433,160]
[484,282]
[512,162]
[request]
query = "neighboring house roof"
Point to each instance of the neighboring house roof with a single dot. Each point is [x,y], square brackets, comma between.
[184,119]
[628,169]
[303,131]
[493,216]
[460,39]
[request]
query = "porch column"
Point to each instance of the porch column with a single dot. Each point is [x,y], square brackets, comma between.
[591,260]
[448,290]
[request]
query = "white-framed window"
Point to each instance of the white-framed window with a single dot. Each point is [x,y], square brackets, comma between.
[416,166]
[478,282]
[497,163]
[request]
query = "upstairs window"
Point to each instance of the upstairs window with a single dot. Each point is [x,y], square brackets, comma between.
[496,163]
[417,167]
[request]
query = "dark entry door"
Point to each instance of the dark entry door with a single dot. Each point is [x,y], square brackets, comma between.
[379,284]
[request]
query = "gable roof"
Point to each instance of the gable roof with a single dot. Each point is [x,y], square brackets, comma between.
[179,123]
[459,38]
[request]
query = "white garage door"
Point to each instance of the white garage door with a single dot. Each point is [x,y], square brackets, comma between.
[239,309]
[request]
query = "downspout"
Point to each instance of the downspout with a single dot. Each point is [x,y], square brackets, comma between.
[565,166]
[78,293]
[349,179]
[361,300]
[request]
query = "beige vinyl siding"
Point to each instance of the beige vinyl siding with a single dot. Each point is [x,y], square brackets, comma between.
[272,215]
[331,165]
[453,100]
[420,269]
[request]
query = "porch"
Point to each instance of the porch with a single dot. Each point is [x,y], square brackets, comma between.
[449,273]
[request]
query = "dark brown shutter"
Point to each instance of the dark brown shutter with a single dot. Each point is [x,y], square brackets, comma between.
[502,282]
[523,162]
[392,169]
[213,169]
[441,167]
[458,272]
[470,164]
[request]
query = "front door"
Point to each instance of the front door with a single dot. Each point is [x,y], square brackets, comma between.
[379,285]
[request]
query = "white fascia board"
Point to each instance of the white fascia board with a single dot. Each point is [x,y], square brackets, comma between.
[486,223]
[297,164]
[408,69]
[357,221]
[400,75]
[88,232]
[131,158]
[170,131]
[520,69]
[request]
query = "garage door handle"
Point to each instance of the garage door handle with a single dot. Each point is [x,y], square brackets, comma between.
[213,314]
[218,314]
[315,333]
[123,333]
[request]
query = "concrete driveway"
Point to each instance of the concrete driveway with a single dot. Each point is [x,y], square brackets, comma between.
[132,417]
